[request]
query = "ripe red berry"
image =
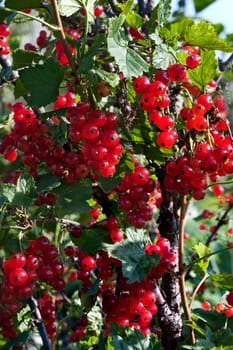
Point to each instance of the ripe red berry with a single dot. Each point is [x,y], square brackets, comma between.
[166,139]
[176,72]
[229,298]
[10,154]
[116,235]
[206,306]
[88,263]
[229,312]
[98,10]
[193,61]
[141,84]
[18,277]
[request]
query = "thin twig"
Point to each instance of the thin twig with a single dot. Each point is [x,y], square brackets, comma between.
[221,222]
[39,323]
[63,37]
[187,311]
[37,19]
[196,290]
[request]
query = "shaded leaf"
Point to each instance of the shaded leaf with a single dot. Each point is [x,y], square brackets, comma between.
[19,340]
[135,262]
[47,182]
[42,81]
[24,58]
[213,319]
[22,5]
[4,14]
[74,199]
[91,239]
[87,59]
[132,339]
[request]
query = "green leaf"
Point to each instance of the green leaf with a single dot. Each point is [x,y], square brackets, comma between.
[25,184]
[19,340]
[204,35]
[132,339]
[111,78]
[74,199]
[179,28]
[206,71]
[19,89]
[24,58]
[92,239]
[87,60]
[164,11]
[22,5]
[4,14]
[223,281]
[8,191]
[213,319]
[202,4]
[163,56]
[132,19]
[24,192]
[202,250]
[42,81]
[47,182]
[130,63]
[68,7]
[135,262]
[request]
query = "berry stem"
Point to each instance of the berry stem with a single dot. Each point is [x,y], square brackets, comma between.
[37,19]
[184,300]
[63,36]
[188,267]
[39,323]
[221,221]
[195,291]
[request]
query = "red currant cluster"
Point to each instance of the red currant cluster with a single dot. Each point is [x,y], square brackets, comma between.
[84,264]
[61,55]
[95,130]
[100,141]
[116,235]
[155,97]
[38,263]
[47,198]
[193,59]
[80,330]
[133,306]
[47,307]
[162,247]
[221,307]
[4,33]
[226,309]
[190,173]
[134,194]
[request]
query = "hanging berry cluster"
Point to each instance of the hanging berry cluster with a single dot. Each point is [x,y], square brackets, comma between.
[4,33]
[92,134]
[205,143]
[22,272]
[134,195]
